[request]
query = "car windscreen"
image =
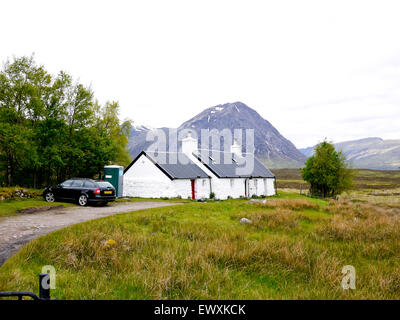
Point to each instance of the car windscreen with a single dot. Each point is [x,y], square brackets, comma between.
[104,184]
[66,183]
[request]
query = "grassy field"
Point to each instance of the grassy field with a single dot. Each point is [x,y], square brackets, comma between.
[370,186]
[295,248]
[364,180]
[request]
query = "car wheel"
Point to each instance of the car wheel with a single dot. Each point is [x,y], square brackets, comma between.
[82,201]
[50,197]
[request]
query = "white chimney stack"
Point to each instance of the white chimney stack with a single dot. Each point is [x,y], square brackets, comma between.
[189,144]
[236,148]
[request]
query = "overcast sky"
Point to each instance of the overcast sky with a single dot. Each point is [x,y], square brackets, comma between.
[314,69]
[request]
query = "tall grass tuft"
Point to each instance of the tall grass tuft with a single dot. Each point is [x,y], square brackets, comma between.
[293,204]
[359,221]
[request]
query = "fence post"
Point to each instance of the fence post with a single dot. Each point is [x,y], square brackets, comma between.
[44,286]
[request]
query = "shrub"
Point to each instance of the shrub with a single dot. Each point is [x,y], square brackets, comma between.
[19,193]
[327,172]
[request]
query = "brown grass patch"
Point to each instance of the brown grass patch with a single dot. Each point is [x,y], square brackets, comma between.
[278,218]
[293,204]
[359,221]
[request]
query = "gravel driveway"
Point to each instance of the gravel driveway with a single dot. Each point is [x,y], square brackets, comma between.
[17,231]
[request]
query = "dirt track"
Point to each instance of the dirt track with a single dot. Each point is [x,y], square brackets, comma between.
[17,231]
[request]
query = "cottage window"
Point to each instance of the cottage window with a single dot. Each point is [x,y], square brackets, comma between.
[232,183]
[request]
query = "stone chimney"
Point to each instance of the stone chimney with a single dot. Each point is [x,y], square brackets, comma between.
[189,144]
[236,148]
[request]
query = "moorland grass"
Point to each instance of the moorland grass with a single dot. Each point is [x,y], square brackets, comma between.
[295,249]
[364,179]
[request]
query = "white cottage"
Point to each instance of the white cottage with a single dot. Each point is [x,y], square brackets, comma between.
[197,174]
[228,179]
[148,177]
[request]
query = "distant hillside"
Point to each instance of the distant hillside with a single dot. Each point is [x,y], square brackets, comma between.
[369,153]
[270,146]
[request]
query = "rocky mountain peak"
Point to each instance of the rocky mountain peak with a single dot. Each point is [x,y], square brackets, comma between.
[270,146]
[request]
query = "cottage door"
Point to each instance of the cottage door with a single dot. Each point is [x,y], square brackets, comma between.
[193,191]
[252,189]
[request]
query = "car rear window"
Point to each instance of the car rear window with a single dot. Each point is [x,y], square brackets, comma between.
[89,184]
[104,184]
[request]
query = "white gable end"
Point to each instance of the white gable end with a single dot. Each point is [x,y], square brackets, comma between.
[144,179]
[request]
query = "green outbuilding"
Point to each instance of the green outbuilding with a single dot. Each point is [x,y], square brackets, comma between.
[115,175]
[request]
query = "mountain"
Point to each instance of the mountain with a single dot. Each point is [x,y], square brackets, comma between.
[308,152]
[270,146]
[137,139]
[369,153]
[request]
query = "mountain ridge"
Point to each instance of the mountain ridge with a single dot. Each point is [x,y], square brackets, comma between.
[270,146]
[368,153]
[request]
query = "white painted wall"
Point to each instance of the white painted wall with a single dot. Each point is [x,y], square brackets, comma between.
[270,186]
[202,188]
[223,188]
[183,188]
[261,187]
[144,179]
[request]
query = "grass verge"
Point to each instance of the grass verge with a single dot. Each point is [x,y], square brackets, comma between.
[10,207]
[294,249]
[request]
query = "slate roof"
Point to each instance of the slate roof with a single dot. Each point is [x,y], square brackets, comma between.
[176,166]
[229,165]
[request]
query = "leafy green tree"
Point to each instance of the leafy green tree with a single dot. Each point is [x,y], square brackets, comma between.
[52,128]
[108,125]
[326,171]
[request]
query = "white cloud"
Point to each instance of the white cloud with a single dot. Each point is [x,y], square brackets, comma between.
[309,67]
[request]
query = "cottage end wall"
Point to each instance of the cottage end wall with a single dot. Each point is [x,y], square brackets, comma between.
[144,179]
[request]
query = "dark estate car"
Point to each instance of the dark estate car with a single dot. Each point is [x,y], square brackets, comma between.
[82,191]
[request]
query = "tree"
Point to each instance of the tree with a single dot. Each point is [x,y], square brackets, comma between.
[326,171]
[52,128]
